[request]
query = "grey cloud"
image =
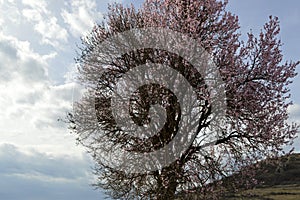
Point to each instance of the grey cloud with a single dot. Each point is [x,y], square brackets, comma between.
[8,50]
[40,176]
[32,71]
[16,188]
[13,161]
[30,98]
[15,62]
[7,54]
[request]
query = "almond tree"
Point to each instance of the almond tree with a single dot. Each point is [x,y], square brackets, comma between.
[256,81]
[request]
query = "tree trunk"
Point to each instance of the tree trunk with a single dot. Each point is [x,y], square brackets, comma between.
[167,183]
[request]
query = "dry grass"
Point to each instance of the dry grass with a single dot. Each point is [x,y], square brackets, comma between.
[279,192]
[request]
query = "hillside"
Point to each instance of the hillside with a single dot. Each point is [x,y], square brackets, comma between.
[286,173]
[280,182]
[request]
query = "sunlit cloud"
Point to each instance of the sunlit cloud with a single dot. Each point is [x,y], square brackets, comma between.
[81,16]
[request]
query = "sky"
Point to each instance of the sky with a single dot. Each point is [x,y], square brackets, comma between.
[39,158]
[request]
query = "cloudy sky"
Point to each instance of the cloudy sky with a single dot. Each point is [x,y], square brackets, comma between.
[39,159]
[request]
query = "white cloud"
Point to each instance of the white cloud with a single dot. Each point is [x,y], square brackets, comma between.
[1,21]
[30,104]
[32,15]
[40,5]
[56,102]
[294,112]
[29,116]
[82,16]
[44,22]
[9,12]
[34,43]
[51,31]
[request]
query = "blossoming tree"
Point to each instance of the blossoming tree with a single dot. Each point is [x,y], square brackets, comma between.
[254,79]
